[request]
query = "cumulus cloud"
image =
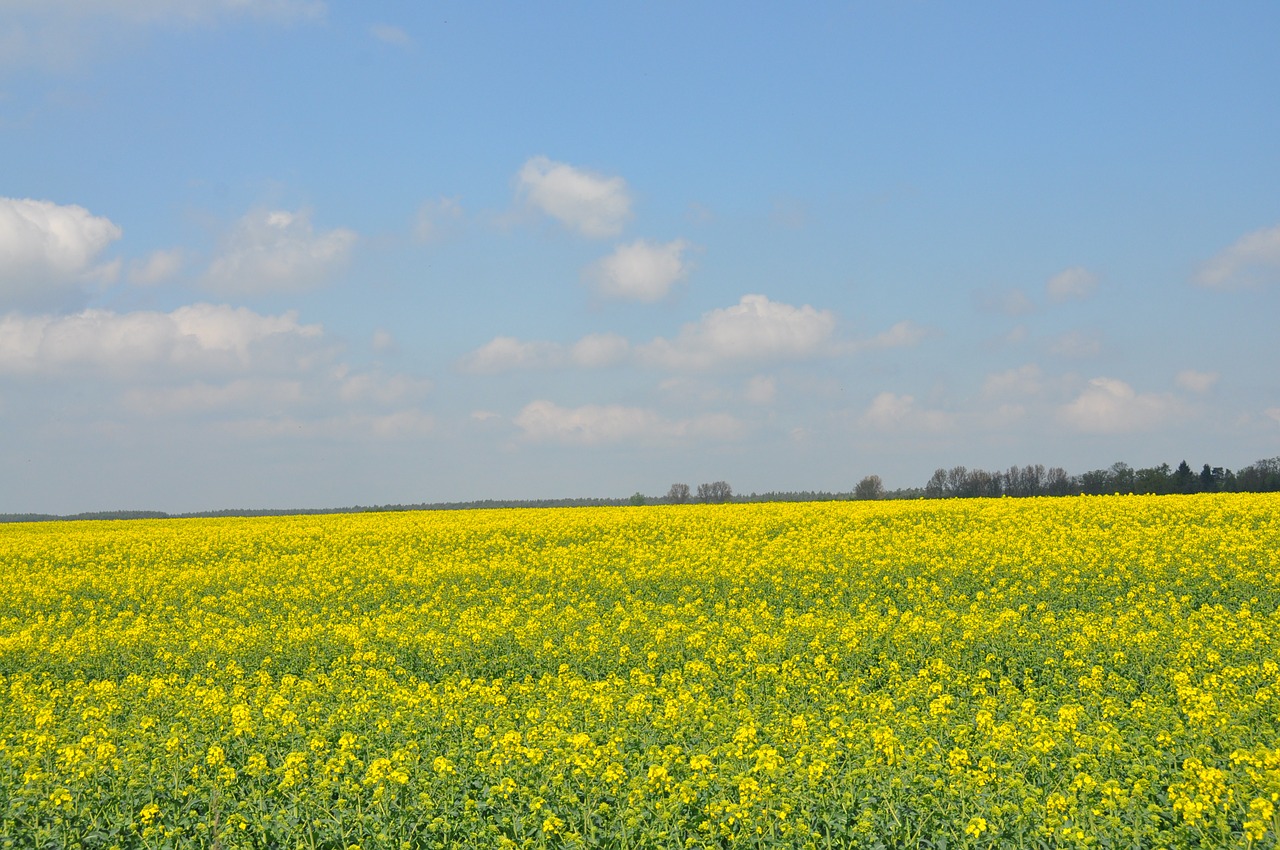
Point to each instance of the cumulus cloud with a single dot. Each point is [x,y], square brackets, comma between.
[278,251]
[1254,260]
[754,329]
[48,251]
[591,425]
[892,412]
[592,204]
[641,271]
[158,267]
[1196,382]
[1110,406]
[195,337]
[1073,283]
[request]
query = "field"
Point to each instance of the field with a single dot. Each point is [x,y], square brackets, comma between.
[1078,672]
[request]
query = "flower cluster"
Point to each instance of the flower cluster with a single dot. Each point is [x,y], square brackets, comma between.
[1090,671]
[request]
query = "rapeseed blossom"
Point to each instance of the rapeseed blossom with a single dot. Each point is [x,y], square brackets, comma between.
[1042,672]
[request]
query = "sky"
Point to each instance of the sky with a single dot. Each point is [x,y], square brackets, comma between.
[304,254]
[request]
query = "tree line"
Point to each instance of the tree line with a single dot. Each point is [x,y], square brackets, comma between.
[959,482]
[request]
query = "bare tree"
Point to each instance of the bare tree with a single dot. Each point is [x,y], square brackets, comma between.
[678,494]
[870,487]
[937,486]
[717,491]
[957,482]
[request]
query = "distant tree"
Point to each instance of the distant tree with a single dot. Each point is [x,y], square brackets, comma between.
[957,482]
[637,499]
[1096,482]
[1153,479]
[678,494]
[716,491]
[1184,480]
[1024,481]
[870,487]
[1123,479]
[1262,476]
[1208,483]
[983,484]
[1057,482]
[937,486]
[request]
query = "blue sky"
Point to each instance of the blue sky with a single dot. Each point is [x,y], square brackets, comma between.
[290,253]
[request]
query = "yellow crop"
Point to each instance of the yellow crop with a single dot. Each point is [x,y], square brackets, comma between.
[1094,671]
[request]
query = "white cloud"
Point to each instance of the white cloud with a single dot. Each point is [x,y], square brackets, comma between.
[1009,302]
[202,397]
[641,271]
[158,267]
[48,251]
[380,389]
[1073,283]
[437,218]
[1196,382]
[149,11]
[1077,344]
[592,204]
[505,353]
[761,389]
[754,329]
[1023,381]
[402,424]
[1253,260]
[1272,413]
[58,34]
[891,412]
[383,341]
[590,425]
[277,250]
[1110,406]
[196,337]
[598,350]
[390,34]
[901,335]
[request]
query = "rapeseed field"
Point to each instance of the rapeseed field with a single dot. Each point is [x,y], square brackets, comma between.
[1076,672]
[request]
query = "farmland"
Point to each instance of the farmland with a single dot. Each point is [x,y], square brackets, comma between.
[1092,671]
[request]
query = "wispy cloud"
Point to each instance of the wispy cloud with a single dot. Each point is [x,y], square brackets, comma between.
[1253,260]
[390,34]
[592,425]
[277,251]
[1074,283]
